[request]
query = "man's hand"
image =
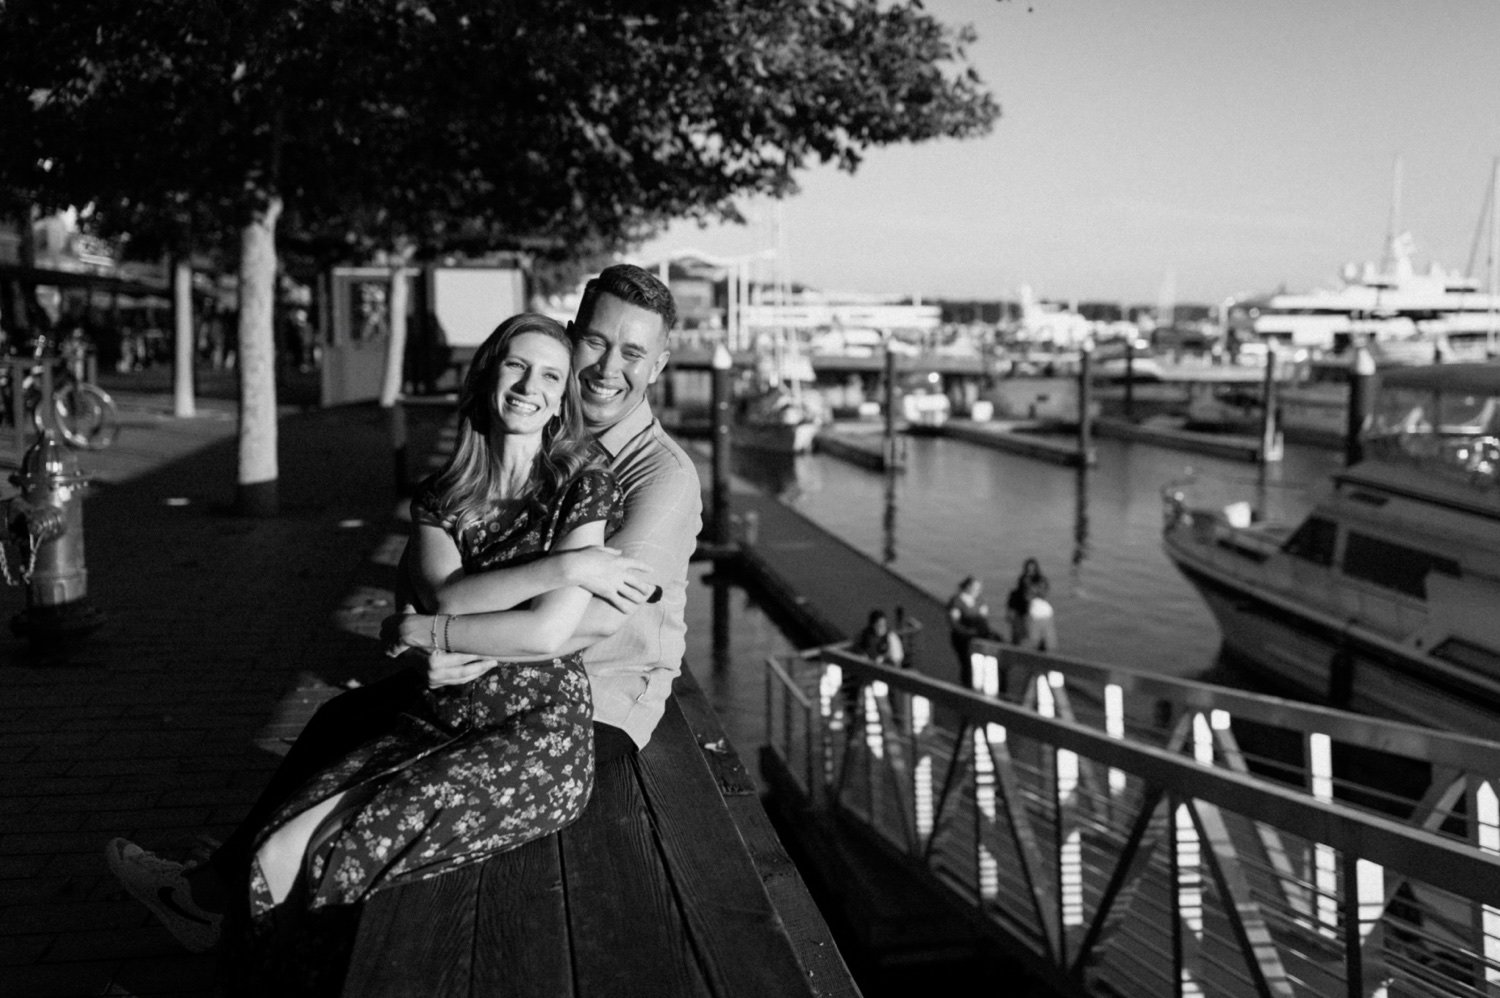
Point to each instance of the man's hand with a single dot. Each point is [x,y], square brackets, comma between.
[401,632]
[453,668]
[622,582]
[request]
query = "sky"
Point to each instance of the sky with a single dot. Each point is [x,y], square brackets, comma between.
[1164,150]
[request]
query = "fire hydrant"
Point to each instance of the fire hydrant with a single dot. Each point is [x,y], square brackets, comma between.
[44,526]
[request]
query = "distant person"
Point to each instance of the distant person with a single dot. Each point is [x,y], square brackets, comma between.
[1029,613]
[879,643]
[968,618]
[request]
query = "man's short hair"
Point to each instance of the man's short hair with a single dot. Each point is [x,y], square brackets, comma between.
[634,286]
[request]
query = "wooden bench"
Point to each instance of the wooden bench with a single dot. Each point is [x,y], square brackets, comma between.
[673,883]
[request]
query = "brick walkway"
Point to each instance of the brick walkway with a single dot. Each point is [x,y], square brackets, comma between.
[221,635]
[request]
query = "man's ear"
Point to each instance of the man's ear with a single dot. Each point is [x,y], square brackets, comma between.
[659,366]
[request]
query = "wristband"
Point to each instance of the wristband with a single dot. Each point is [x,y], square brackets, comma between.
[447,619]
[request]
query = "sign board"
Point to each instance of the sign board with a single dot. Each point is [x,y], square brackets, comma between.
[469,302]
[354,357]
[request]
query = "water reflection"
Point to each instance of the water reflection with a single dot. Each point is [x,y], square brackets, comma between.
[1080,521]
[888,519]
[771,472]
[718,582]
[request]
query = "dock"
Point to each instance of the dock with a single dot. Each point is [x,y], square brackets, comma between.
[167,721]
[1115,831]
[1028,438]
[1235,447]
[673,883]
[861,444]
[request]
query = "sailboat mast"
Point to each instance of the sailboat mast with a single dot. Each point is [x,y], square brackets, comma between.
[1494,253]
[1393,222]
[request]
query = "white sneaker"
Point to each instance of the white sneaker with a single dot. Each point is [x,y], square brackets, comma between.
[159,884]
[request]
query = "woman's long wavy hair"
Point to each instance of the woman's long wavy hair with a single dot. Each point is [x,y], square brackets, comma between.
[468,485]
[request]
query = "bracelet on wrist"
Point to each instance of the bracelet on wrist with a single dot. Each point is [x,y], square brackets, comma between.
[447,619]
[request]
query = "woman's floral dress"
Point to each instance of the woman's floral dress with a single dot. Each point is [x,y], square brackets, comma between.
[470,770]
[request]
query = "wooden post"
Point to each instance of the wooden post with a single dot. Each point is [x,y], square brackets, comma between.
[183,345]
[1361,396]
[722,364]
[1270,416]
[1130,378]
[890,405]
[1085,401]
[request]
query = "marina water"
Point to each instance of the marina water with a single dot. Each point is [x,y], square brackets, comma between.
[958,509]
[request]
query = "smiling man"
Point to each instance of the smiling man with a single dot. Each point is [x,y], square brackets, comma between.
[619,350]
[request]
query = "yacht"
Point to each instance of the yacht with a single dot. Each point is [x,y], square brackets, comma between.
[1391,305]
[1385,599]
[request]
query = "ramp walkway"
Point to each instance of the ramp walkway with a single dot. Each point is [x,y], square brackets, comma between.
[1124,833]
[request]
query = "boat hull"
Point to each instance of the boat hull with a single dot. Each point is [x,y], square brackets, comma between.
[781,438]
[1308,655]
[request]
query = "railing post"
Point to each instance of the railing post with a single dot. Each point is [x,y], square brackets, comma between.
[1349,909]
[986,883]
[1325,869]
[1174,866]
[921,790]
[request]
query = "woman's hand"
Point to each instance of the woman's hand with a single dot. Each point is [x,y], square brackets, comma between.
[622,582]
[454,668]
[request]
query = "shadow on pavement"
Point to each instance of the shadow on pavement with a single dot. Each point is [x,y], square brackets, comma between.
[221,635]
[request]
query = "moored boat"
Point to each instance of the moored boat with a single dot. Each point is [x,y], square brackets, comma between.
[777,421]
[1386,597]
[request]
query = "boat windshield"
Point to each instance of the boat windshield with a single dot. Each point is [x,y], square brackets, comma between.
[1456,435]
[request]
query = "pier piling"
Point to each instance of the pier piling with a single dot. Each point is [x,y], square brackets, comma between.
[719,524]
[1085,401]
[1361,395]
[1270,416]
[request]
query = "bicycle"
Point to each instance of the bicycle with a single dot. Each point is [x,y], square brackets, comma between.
[81,412]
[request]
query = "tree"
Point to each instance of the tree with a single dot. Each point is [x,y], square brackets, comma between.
[565,128]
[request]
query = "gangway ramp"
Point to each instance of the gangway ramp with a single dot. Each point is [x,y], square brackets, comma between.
[1129,834]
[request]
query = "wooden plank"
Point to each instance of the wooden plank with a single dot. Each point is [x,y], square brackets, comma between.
[521,937]
[627,933]
[726,765]
[827,974]
[417,939]
[740,939]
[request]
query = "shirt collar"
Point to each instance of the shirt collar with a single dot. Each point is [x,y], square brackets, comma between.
[626,428]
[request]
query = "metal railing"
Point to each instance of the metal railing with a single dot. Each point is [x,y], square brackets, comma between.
[1134,834]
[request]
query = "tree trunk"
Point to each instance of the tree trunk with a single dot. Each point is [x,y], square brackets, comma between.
[256,491]
[398,299]
[184,345]
[395,369]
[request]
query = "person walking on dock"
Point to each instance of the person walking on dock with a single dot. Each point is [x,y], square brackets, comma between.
[968,618]
[1028,611]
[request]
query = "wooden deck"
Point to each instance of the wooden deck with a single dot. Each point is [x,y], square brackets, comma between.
[673,883]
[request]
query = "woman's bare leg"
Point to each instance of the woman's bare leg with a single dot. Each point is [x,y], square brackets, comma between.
[280,856]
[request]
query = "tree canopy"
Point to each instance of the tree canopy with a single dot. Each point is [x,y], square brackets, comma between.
[563,126]
[569,128]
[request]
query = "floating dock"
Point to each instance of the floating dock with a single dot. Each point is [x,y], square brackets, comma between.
[862,445]
[1234,447]
[1028,438]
